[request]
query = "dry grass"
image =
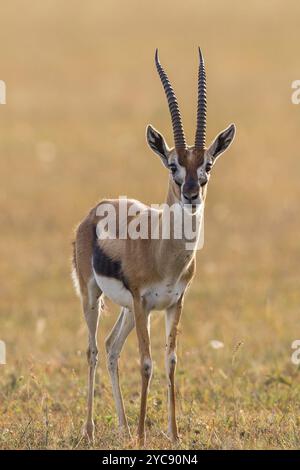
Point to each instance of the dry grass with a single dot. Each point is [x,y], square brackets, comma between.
[81,86]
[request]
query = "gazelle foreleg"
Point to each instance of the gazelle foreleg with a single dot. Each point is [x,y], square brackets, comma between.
[173,315]
[142,325]
[114,344]
[91,311]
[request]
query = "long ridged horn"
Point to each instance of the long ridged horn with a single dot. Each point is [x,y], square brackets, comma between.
[201,109]
[178,132]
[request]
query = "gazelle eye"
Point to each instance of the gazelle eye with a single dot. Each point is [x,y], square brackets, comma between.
[208,167]
[173,168]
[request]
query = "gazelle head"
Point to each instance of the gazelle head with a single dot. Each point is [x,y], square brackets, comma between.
[190,167]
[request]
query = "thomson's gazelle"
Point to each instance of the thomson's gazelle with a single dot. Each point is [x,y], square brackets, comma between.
[142,275]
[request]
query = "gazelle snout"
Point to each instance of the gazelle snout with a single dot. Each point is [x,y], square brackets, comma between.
[191,192]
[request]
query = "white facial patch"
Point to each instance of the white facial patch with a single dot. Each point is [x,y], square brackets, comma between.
[201,172]
[180,174]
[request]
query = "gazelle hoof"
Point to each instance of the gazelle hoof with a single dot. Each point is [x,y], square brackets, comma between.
[125,432]
[141,441]
[88,431]
[174,437]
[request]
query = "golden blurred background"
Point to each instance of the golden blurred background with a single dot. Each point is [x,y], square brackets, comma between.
[81,88]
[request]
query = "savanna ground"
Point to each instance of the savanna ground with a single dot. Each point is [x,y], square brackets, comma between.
[81,87]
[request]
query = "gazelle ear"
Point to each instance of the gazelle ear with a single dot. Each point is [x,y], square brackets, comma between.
[222,142]
[158,144]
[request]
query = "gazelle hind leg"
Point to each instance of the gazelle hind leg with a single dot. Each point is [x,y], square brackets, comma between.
[91,310]
[114,344]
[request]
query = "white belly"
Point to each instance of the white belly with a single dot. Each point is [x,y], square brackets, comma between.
[161,296]
[114,290]
[155,297]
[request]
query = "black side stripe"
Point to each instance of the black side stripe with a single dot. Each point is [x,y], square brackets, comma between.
[105,266]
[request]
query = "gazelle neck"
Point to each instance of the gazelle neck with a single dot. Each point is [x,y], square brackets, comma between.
[179,252]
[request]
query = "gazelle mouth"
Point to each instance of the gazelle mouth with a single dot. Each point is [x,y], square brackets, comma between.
[192,201]
[194,206]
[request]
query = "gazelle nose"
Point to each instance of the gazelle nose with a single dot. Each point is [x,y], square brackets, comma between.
[190,190]
[191,196]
